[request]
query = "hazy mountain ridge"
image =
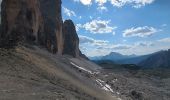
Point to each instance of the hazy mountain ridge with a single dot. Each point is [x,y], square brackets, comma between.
[157,59]
[114,56]
[160,59]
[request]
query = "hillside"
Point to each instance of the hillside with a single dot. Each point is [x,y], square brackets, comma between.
[34,74]
[40,57]
[137,84]
[160,59]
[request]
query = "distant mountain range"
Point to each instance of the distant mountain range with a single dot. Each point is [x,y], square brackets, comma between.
[157,59]
[113,56]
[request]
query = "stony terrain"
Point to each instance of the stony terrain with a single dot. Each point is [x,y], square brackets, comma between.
[138,84]
[31,73]
[40,59]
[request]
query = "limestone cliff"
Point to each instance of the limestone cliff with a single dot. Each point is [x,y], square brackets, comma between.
[20,21]
[38,22]
[71,40]
[52,37]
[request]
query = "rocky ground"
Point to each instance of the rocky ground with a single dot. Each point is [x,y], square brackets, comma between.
[31,73]
[141,84]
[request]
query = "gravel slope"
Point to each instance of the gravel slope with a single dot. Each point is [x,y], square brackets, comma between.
[31,73]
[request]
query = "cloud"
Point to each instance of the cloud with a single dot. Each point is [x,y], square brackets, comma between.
[84,2]
[166,40]
[139,31]
[91,41]
[98,27]
[100,2]
[118,3]
[134,3]
[144,44]
[121,47]
[163,25]
[68,12]
[115,47]
[102,8]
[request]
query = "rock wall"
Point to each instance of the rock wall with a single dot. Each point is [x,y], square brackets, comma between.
[38,22]
[52,37]
[20,21]
[71,40]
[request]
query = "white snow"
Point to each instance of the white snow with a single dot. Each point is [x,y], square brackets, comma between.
[117,93]
[114,80]
[109,88]
[104,86]
[81,68]
[102,83]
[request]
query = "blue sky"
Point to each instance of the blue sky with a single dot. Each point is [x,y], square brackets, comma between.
[124,26]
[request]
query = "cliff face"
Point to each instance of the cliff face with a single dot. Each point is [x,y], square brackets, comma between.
[38,22]
[21,21]
[52,37]
[71,40]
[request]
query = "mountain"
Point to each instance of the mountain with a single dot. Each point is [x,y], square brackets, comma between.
[160,59]
[38,22]
[121,59]
[33,73]
[113,56]
[40,57]
[116,56]
[133,60]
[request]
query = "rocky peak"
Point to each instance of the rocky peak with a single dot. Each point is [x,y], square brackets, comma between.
[39,22]
[52,37]
[71,40]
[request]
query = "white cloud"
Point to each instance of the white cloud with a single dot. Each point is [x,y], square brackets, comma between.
[167,40]
[163,25]
[102,8]
[114,33]
[98,27]
[115,47]
[134,3]
[118,3]
[144,44]
[91,41]
[80,17]
[68,12]
[121,47]
[91,17]
[139,31]
[84,2]
[101,2]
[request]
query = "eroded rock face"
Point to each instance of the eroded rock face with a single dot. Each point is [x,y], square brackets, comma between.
[20,21]
[40,22]
[35,21]
[71,40]
[52,37]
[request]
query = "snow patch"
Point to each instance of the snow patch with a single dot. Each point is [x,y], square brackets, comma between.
[81,68]
[109,88]
[114,80]
[117,93]
[104,86]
